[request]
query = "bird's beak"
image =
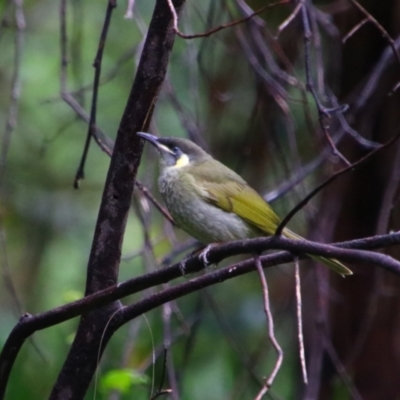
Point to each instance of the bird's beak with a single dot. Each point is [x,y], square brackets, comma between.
[154,141]
[150,138]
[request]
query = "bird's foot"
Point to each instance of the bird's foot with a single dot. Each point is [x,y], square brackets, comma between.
[203,256]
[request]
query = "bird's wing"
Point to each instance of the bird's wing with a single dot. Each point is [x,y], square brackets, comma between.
[247,203]
[239,198]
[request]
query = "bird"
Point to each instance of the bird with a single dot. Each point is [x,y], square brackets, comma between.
[213,203]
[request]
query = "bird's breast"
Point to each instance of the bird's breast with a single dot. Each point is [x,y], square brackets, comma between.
[186,202]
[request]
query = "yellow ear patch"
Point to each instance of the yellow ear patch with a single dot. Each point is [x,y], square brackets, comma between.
[182,161]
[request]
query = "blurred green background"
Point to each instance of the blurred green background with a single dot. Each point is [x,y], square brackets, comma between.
[213,95]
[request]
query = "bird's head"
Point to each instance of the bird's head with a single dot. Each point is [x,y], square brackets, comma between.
[176,152]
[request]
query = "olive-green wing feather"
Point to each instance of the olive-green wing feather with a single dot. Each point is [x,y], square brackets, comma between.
[231,193]
[227,190]
[244,201]
[333,264]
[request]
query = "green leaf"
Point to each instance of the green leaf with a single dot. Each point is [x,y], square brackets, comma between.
[122,380]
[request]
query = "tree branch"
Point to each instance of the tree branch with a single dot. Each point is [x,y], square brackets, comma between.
[347,251]
[105,255]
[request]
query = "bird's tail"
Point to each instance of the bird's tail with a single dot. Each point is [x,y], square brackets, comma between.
[333,264]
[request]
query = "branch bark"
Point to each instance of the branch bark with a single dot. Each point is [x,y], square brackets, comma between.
[352,250]
[105,255]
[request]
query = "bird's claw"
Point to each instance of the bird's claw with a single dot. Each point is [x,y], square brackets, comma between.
[203,256]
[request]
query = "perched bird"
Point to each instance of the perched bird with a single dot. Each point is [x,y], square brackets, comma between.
[210,201]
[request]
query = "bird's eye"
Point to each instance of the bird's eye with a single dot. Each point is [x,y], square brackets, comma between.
[176,150]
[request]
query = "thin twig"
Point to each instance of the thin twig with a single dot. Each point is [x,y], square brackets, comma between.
[105,144]
[354,30]
[154,201]
[345,127]
[29,324]
[332,144]
[300,322]
[80,174]
[275,89]
[383,31]
[323,112]
[223,26]
[288,20]
[302,203]
[278,63]
[271,334]
[259,48]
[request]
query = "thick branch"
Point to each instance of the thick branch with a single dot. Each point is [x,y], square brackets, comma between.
[345,250]
[105,254]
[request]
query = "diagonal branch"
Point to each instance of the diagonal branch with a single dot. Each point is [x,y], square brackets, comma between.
[29,324]
[220,27]
[105,255]
[351,167]
[80,174]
